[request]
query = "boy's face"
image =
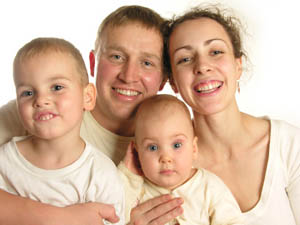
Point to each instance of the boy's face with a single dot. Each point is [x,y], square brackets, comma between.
[50,96]
[166,146]
[129,70]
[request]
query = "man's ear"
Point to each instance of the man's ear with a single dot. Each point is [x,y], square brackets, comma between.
[89,97]
[173,85]
[92,62]
[164,81]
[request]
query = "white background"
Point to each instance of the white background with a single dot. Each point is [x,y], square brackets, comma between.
[272,42]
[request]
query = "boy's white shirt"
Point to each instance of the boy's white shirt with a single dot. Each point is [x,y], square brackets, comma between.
[93,177]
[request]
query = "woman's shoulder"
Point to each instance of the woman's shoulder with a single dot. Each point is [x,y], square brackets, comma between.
[284,126]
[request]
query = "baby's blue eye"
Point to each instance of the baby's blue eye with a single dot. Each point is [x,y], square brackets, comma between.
[57,87]
[177,145]
[152,147]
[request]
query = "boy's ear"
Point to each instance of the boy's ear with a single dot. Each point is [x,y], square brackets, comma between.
[89,97]
[92,62]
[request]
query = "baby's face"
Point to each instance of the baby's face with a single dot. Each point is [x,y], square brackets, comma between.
[166,147]
[49,94]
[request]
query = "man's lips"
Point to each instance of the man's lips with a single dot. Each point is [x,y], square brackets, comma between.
[126,92]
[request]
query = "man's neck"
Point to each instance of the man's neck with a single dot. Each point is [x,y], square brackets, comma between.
[122,127]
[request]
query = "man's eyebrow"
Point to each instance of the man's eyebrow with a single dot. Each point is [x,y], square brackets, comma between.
[151,55]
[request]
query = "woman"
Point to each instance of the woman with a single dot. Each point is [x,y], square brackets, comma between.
[257,158]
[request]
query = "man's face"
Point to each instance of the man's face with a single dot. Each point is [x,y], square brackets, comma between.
[129,70]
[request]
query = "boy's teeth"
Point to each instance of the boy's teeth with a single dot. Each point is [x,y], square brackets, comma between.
[127,92]
[46,117]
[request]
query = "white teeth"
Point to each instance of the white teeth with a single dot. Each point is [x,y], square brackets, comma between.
[46,117]
[209,87]
[127,92]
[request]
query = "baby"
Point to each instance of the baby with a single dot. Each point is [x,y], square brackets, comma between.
[167,147]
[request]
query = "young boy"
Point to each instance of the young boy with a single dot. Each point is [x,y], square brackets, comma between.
[53,164]
[166,148]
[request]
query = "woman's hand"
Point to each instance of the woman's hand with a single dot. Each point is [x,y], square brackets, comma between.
[158,211]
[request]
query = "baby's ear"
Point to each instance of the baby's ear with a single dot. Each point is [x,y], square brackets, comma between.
[89,97]
[131,159]
[195,147]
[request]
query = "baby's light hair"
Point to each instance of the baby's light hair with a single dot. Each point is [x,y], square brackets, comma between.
[156,104]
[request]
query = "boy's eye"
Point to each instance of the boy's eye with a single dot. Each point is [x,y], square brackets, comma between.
[177,145]
[152,147]
[57,87]
[26,93]
[116,56]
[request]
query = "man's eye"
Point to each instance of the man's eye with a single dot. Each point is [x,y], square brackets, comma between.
[216,52]
[57,87]
[116,57]
[147,63]
[26,93]
[177,145]
[152,147]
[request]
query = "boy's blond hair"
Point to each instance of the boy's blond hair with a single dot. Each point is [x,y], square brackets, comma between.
[46,45]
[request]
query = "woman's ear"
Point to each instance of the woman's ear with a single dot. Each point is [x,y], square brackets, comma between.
[92,62]
[89,97]
[239,64]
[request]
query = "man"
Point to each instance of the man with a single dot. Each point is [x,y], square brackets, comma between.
[128,57]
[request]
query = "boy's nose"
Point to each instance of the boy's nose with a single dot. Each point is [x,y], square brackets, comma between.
[41,100]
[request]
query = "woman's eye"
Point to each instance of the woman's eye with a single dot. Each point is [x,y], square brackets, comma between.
[57,87]
[152,147]
[177,145]
[184,60]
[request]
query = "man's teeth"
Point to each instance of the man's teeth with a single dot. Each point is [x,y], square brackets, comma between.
[46,117]
[127,92]
[208,88]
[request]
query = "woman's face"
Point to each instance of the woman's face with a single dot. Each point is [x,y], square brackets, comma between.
[205,71]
